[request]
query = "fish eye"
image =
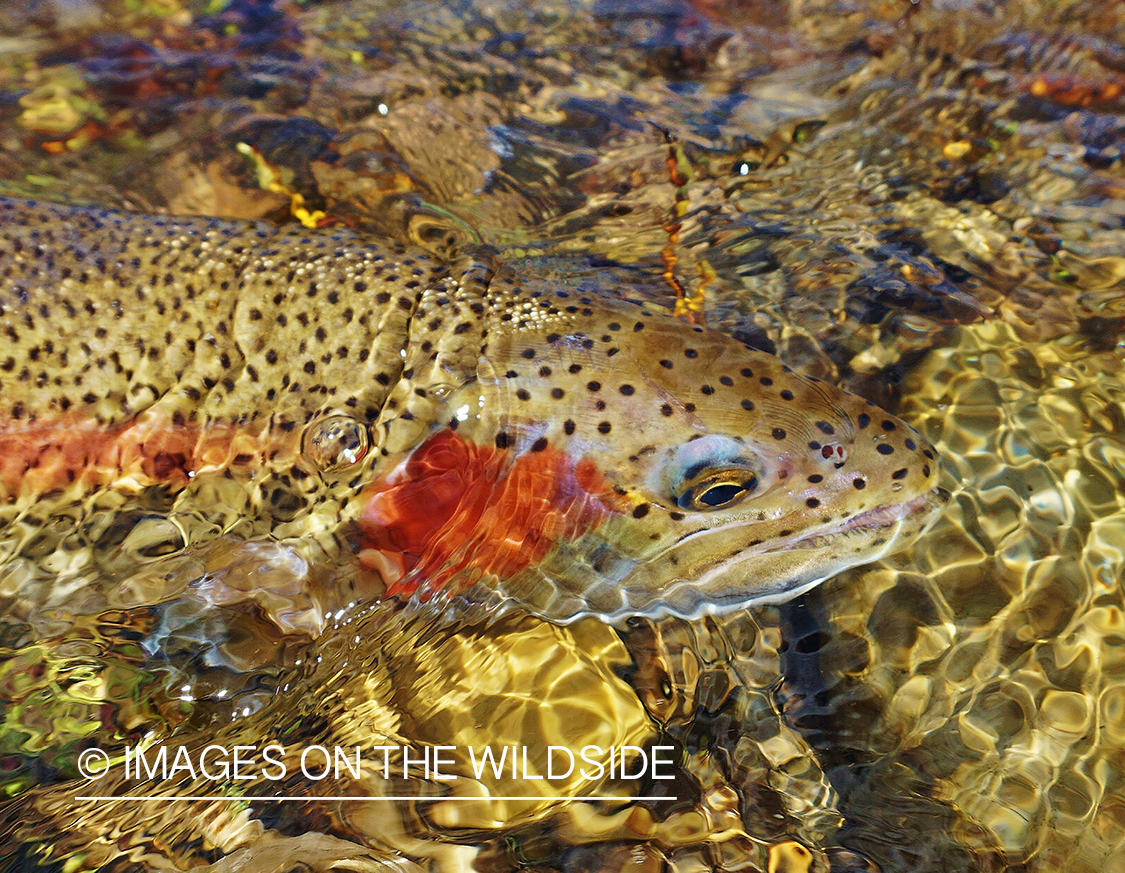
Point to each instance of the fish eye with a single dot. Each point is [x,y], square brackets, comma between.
[717,489]
[712,472]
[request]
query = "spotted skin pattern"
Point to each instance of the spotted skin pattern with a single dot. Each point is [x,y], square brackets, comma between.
[531,443]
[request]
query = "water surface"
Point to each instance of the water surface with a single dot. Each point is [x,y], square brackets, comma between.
[923,202]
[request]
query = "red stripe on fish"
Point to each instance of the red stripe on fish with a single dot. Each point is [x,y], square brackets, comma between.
[458,511]
[41,456]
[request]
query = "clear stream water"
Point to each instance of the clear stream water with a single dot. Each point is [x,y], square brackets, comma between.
[922,201]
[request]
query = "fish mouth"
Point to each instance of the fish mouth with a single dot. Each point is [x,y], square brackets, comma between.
[924,507]
[792,564]
[721,572]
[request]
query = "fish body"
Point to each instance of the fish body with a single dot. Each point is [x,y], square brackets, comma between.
[471,433]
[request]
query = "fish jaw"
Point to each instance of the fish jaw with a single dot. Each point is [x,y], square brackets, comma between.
[719,571]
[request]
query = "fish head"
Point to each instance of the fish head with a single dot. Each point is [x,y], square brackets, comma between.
[613,461]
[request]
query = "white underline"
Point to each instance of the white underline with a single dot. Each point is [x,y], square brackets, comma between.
[350,797]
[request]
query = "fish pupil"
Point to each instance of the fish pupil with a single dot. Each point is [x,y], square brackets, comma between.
[720,494]
[715,495]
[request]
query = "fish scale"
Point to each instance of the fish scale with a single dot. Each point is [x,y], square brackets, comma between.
[528,442]
[159,313]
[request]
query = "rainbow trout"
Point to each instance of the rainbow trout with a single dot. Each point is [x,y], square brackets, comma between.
[456,430]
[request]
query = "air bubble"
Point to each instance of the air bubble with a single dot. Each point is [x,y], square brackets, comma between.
[335,442]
